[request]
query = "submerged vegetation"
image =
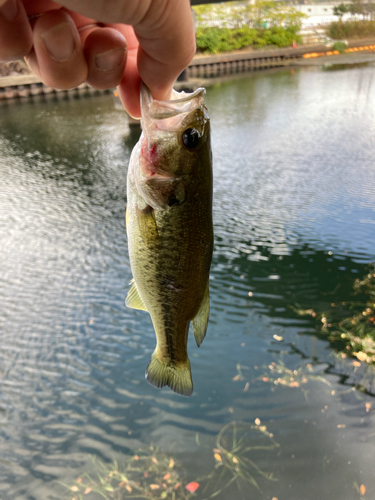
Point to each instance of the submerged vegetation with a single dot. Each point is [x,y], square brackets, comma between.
[236,25]
[155,475]
[350,325]
[147,474]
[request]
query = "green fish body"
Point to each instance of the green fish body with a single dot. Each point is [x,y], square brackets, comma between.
[169,228]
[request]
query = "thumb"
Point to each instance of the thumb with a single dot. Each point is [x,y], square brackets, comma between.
[164,29]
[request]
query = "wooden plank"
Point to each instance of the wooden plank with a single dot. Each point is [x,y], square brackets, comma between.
[15,80]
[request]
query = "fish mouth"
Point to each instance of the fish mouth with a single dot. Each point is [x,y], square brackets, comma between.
[168,115]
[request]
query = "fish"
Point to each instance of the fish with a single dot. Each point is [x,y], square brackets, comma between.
[170,230]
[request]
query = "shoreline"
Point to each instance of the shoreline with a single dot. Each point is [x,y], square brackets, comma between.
[206,67]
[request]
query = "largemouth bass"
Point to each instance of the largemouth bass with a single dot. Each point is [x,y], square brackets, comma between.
[169,228]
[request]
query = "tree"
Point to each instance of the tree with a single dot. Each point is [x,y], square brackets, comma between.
[340,10]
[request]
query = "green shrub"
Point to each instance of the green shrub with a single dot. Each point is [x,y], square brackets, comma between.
[340,46]
[215,40]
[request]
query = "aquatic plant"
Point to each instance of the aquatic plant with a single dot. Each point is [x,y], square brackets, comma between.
[146,474]
[234,455]
[152,474]
[353,334]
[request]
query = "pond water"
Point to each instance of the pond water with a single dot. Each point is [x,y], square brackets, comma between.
[294,201]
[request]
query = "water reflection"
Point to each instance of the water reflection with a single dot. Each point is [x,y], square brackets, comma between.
[294,205]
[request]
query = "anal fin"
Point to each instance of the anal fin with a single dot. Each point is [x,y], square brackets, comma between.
[200,321]
[133,299]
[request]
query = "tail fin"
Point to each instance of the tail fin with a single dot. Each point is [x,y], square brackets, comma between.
[177,377]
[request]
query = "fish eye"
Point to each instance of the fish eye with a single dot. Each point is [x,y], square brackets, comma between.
[190,138]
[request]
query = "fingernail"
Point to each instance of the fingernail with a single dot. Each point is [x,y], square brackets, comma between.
[110,60]
[59,41]
[9,10]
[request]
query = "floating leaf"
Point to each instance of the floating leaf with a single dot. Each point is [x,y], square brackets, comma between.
[87,491]
[218,457]
[136,457]
[294,384]
[129,489]
[341,426]
[176,486]
[362,489]
[278,338]
[122,483]
[191,487]
[368,406]
[257,421]
[154,486]
[74,488]
[245,389]
[154,460]
[362,356]
[171,463]
[166,477]
[235,461]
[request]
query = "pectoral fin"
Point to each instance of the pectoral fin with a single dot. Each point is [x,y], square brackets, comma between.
[147,224]
[201,319]
[133,299]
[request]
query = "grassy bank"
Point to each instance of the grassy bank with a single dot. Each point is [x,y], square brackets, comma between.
[339,30]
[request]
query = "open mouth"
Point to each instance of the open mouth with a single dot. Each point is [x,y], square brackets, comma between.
[168,115]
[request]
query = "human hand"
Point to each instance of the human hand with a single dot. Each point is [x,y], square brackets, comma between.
[105,43]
